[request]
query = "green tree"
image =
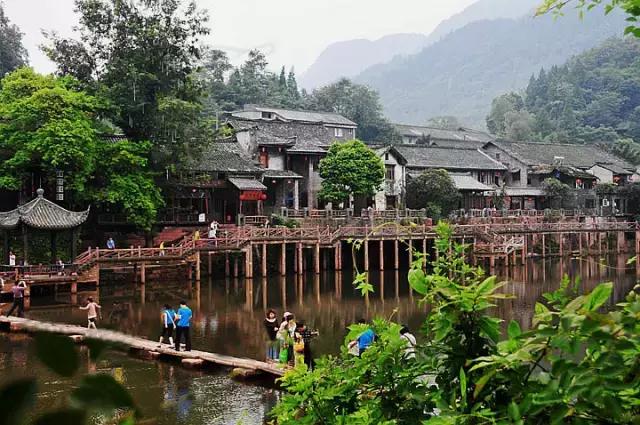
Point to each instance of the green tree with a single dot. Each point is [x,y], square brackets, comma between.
[48,124]
[141,56]
[557,192]
[501,106]
[350,169]
[13,55]
[576,364]
[631,8]
[356,102]
[435,191]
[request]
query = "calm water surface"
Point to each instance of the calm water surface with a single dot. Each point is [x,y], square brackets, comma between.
[228,319]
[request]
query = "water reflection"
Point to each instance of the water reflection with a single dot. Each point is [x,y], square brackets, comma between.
[228,317]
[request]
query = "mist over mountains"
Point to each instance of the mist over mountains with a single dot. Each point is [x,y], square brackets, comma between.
[350,57]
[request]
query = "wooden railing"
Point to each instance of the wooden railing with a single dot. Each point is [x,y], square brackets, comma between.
[479,213]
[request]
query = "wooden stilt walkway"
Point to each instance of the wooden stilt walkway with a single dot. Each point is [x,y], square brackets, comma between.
[119,339]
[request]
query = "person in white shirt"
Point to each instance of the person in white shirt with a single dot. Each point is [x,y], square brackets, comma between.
[92,312]
[410,340]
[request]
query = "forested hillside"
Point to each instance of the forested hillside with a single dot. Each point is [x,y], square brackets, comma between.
[463,72]
[593,98]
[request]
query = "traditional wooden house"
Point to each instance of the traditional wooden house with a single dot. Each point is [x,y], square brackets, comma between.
[424,135]
[392,194]
[289,145]
[475,174]
[581,167]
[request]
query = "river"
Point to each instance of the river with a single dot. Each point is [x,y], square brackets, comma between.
[228,318]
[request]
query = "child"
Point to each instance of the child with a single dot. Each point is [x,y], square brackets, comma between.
[271,326]
[92,312]
[168,319]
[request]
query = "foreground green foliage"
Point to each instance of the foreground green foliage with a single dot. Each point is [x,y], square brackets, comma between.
[575,364]
[630,7]
[350,168]
[95,393]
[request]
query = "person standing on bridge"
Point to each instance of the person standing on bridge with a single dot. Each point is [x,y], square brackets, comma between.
[271,325]
[18,298]
[213,230]
[92,312]
[168,318]
[111,244]
[184,320]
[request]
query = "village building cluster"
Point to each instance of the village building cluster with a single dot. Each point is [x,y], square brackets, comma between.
[270,161]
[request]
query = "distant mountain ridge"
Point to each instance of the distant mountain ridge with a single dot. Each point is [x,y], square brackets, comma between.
[463,72]
[349,58]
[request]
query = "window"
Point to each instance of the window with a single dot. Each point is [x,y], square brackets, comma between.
[267,115]
[338,132]
[390,172]
[386,156]
[264,159]
[498,156]
[316,163]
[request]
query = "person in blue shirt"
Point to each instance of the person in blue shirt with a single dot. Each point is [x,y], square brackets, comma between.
[365,339]
[182,326]
[168,320]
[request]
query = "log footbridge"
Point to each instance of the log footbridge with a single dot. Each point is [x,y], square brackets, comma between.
[317,248]
[140,346]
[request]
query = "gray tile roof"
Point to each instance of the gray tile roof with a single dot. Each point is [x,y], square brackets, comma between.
[265,139]
[579,156]
[281,174]
[615,169]
[223,156]
[461,134]
[246,184]
[421,157]
[464,181]
[254,112]
[41,213]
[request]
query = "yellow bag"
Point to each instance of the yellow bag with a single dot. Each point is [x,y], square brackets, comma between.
[298,347]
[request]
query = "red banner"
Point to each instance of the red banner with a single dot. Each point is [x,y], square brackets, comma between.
[252,195]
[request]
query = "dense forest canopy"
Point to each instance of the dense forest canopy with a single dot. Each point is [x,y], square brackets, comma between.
[593,98]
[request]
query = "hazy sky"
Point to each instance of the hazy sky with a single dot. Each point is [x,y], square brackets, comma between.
[290,32]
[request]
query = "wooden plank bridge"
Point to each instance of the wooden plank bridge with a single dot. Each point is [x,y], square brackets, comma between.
[488,241]
[148,348]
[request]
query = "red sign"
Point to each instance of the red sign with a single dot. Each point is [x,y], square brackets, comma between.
[252,195]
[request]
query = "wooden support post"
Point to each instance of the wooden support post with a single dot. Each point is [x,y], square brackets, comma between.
[235,266]
[198,266]
[544,246]
[248,262]
[227,268]
[283,259]
[209,265]
[621,243]
[381,256]
[300,259]
[561,243]
[143,273]
[424,252]
[316,258]
[410,251]
[599,243]
[580,243]
[396,255]
[263,267]
[366,255]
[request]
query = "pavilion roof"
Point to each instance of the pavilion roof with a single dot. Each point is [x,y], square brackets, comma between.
[41,213]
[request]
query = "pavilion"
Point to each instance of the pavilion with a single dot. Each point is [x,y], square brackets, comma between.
[44,215]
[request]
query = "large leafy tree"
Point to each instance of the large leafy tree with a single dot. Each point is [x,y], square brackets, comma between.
[350,169]
[141,55]
[435,191]
[49,124]
[357,102]
[12,53]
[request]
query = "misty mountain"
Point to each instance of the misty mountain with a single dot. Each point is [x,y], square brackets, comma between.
[482,10]
[461,74]
[351,57]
